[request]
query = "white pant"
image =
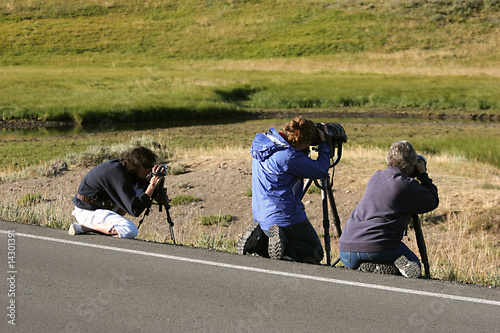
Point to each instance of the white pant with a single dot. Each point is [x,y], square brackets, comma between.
[124,227]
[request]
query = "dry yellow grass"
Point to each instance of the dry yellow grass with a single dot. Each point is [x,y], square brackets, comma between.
[414,62]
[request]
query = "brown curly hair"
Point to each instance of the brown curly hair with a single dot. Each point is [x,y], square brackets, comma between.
[300,130]
[139,157]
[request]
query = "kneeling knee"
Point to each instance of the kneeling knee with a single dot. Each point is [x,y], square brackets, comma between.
[129,233]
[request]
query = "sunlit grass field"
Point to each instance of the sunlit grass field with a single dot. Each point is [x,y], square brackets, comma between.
[124,94]
[128,61]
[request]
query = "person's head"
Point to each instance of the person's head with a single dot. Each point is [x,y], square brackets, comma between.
[140,161]
[300,132]
[402,155]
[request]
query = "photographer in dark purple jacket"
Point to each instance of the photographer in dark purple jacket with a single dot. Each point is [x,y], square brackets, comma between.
[371,240]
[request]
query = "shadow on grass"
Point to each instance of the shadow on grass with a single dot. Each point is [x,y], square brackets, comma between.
[236,95]
[164,114]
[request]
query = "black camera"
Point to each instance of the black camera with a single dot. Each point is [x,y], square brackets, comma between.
[334,136]
[160,173]
[415,172]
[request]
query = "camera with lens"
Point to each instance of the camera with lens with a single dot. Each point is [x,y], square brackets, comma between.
[160,173]
[334,136]
[158,194]
[419,158]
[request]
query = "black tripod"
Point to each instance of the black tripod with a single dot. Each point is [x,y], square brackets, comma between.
[160,195]
[335,138]
[421,245]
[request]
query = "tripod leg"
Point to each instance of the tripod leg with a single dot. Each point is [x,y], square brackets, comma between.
[306,187]
[336,219]
[326,221]
[421,244]
[170,223]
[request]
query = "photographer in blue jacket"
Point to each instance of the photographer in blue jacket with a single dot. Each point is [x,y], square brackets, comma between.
[280,163]
[372,236]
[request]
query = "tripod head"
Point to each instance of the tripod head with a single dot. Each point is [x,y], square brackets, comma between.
[335,136]
[161,198]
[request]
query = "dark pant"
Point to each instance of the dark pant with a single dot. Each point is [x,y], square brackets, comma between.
[301,241]
[352,260]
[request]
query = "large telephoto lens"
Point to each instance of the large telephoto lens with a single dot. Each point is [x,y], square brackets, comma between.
[335,136]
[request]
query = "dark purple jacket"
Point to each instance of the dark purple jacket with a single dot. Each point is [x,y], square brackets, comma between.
[112,181]
[378,223]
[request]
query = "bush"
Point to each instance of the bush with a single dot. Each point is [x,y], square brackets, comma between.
[223,220]
[183,199]
[30,199]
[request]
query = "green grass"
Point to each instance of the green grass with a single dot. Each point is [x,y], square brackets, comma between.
[212,241]
[248,192]
[473,141]
[112,95]
[30,199]
[222,220]
[183,199]
[470,140]
[108,62]
[169,29]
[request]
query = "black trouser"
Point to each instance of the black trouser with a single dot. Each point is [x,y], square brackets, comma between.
[301,241]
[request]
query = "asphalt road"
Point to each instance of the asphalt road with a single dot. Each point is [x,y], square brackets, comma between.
[54,282]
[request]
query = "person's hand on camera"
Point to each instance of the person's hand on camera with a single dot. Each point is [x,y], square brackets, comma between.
[421,166]
[158,171]
[321,132]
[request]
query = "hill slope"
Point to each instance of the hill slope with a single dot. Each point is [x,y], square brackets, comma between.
[36,31]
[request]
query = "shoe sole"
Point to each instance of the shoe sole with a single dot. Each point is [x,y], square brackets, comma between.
[408,268]
[249,239]
[276,248]
[71,230]
[372,267]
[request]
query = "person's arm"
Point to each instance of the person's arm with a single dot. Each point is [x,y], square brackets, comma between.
[426,193]
[121,186]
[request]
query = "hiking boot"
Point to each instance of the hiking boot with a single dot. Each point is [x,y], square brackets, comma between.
[409,269]
[75,229]
[276,247]
[379,268]
[247,242]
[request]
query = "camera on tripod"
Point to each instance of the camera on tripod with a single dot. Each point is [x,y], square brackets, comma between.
[335,136]
[160,197]
[158,194]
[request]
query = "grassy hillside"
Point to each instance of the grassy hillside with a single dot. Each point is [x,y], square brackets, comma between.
[199,29]
[127,60]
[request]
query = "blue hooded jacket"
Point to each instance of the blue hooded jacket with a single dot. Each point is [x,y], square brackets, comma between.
[278,172]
